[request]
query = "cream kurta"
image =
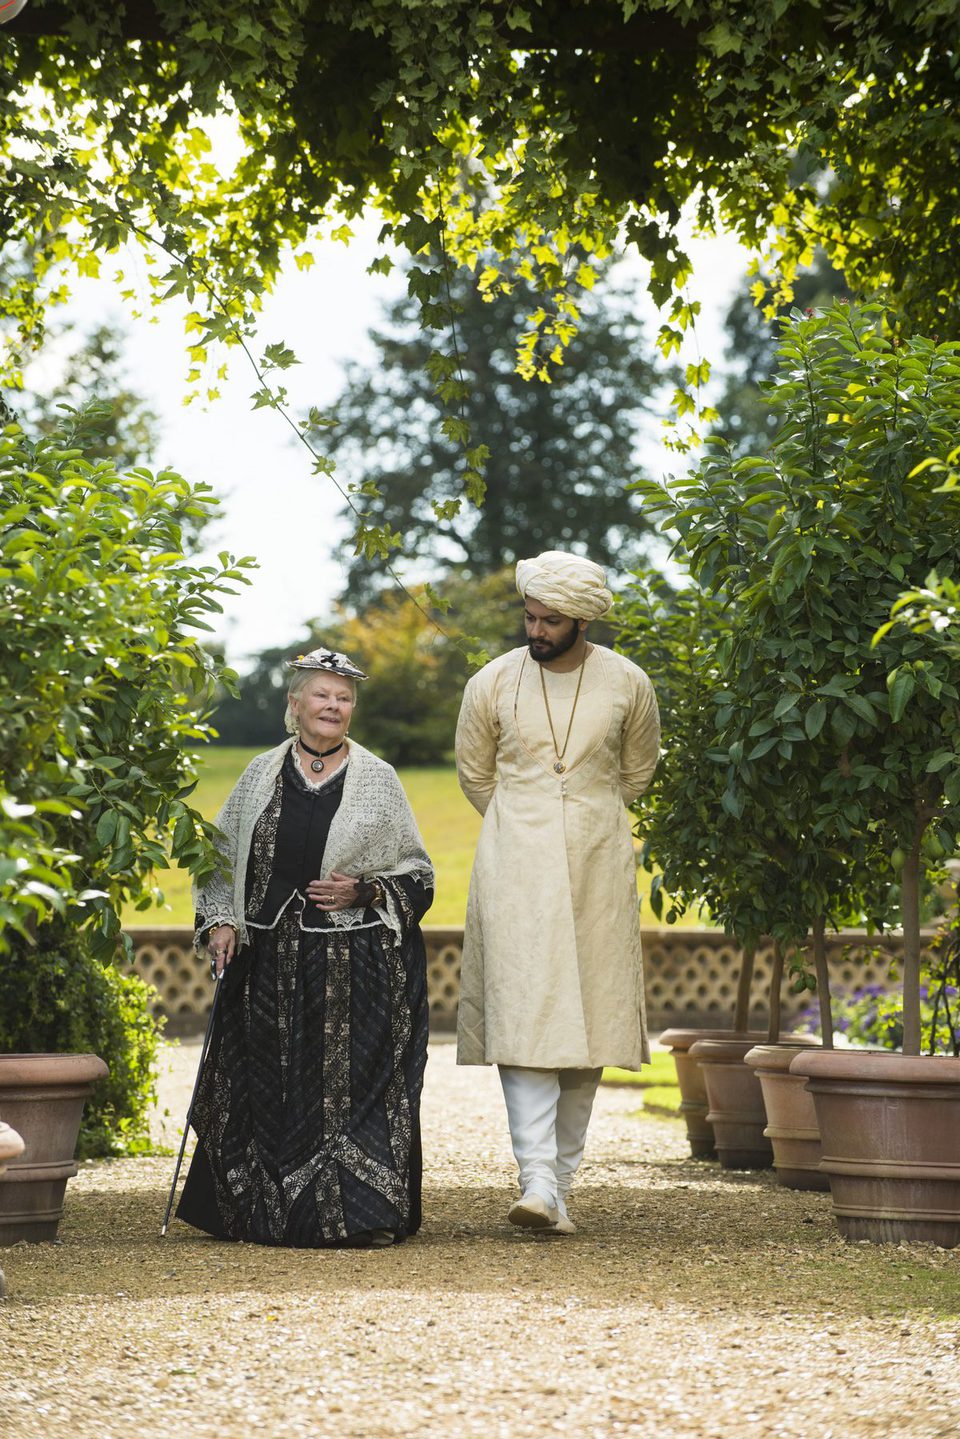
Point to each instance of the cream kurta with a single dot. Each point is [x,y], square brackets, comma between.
[552,973]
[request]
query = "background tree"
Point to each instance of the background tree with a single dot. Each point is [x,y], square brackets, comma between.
[560,455]
[69,370]
[123,429]
[89,399]
[408,710]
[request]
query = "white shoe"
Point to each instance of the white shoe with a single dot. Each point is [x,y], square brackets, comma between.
[564,1225]
[531,1211]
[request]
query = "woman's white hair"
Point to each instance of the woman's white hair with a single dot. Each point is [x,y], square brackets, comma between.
[296,687]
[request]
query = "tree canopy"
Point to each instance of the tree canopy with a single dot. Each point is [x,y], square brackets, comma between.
[560,456]
[526,141]
[486,126]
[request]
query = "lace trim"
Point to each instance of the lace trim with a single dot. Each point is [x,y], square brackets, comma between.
[321,780]
[310,928]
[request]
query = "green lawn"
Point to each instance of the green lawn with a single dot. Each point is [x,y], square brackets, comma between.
[449,825]
[656,1083]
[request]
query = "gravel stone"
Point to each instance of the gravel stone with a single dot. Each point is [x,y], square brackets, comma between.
[710,1301]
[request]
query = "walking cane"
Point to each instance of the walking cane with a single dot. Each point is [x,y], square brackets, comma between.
[193,1099]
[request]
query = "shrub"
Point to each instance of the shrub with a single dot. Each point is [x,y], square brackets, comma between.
[102,690]
[67,1001]
[873,1016]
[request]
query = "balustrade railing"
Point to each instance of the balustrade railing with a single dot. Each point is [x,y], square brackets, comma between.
[691,974]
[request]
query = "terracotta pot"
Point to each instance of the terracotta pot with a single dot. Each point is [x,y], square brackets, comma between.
[791,1116]
[43,1095]
[736,1100]
[10,1146]
[693,1094]
[890,1128]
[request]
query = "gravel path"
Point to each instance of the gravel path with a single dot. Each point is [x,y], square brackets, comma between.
[707,1302]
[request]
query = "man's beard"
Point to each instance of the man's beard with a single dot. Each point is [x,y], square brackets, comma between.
[553,652]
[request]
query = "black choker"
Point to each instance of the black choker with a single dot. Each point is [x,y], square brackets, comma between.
[317,764]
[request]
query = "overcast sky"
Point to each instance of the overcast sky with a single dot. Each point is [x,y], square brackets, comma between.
[273,507]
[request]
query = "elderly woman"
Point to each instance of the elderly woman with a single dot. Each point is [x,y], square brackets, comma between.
[307,1112]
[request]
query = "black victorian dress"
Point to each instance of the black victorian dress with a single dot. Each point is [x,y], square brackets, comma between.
[308,1109]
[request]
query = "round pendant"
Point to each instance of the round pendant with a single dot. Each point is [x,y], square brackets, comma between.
[559,766]
[317,765]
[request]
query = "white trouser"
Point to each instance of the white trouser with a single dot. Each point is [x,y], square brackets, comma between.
[548,1111]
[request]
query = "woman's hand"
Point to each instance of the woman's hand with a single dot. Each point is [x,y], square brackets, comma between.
[337,891]
[221,942]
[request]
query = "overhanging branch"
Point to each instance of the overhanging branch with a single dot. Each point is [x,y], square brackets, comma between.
[136,20]
[557,25]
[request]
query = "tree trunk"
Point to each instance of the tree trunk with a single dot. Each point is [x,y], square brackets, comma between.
[741,1014]
[776,981]
[910,920]
[822,971]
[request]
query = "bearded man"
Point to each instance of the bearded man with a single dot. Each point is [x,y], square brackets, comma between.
[553,740]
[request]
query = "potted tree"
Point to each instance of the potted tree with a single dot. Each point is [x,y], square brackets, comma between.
[891,1122]
[101,687]
[705,849]
[671,634]
[780,860]
[748,1136]
[817,540]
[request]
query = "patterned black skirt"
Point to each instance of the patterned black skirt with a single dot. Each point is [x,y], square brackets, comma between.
[308,1110]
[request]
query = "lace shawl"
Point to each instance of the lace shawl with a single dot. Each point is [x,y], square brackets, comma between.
[373,833]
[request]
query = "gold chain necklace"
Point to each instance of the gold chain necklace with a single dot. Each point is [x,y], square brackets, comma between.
[560,766]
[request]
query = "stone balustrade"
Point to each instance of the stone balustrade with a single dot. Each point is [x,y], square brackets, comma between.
[691,974]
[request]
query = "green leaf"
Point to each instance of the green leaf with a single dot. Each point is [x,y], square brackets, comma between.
[723,39]
[862,707]
[519,19]
[278,357]
[843,724]
[901,690]
[814,719]
[763,747]
[732,802]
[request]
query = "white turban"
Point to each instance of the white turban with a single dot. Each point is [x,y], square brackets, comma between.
[566,583]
